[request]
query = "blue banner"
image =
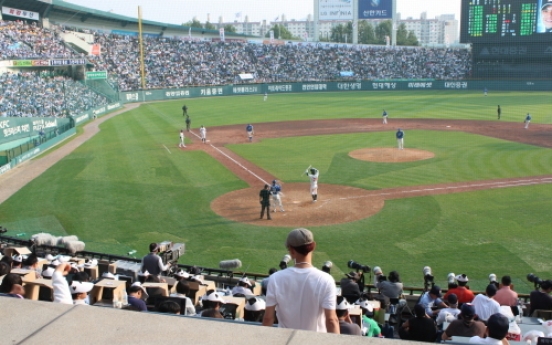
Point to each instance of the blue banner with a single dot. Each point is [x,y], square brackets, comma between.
[375,9]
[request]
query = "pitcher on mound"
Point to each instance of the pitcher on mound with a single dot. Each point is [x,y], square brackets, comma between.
[312,173]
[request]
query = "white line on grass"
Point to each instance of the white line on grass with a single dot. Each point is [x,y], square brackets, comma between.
[233,160]
[167,149]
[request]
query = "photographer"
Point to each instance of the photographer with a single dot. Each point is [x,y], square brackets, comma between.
[540,298]
[390,287]
[153,262]
[350,286]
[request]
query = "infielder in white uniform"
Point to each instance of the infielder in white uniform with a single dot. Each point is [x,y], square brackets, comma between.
[312,173]
[181,139]
[203,134]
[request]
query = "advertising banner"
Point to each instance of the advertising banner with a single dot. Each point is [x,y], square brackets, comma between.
[96,75]
[335,9]
[375,9]
[20,13]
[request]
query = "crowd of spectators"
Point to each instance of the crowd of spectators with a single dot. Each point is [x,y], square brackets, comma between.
[179,63]
[298,297]
[29,94]
[20,40]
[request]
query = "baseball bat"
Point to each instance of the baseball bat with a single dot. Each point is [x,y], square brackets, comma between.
[307,169]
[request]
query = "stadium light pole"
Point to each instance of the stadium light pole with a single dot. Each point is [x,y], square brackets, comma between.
[141,42]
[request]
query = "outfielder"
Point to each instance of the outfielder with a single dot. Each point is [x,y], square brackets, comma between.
[527,120]
[384,116]
[400,138]
[275,190]
[312,173]
[265,97]
[181,139]
[250,132]
[203,134]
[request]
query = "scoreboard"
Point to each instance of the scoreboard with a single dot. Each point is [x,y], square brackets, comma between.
[484,21]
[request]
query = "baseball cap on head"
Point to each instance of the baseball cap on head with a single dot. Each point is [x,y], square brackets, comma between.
[299,237]
[255,304]
[81,287]
[342,304]
[462,278]
[468,310]
[435,290]
[452,299]
[545,4]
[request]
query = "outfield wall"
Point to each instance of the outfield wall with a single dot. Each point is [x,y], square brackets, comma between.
[253,89]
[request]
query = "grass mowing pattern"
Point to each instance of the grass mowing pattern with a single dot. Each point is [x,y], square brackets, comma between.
[123,189]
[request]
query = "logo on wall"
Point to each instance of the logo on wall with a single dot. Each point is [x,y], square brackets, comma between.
[375,3]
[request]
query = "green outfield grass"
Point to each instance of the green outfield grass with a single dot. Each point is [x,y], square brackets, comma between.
[123,189]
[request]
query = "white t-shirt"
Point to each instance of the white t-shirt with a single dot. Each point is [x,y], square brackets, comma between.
[300,296]
[441,318]
[485,306]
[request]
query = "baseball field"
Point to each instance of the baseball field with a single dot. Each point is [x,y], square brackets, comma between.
[469,194]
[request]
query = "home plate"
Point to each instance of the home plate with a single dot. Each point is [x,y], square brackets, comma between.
[295,201]
[448,126]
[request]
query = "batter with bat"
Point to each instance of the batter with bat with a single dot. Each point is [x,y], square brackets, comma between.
[276,190]
[312,173]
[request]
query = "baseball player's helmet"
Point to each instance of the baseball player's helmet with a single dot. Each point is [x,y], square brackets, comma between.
[274,182]
[313,171]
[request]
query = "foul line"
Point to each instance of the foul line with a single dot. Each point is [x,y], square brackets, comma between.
[167,149]
[233,160]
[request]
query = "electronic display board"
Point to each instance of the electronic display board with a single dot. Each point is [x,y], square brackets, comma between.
[506,21]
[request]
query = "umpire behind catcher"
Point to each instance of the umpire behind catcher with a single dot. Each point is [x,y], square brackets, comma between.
[264,199]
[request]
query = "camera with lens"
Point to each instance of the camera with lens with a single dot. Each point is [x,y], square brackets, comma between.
[535,280]
[327,266]
[358,267]
[284,262]
[428,277]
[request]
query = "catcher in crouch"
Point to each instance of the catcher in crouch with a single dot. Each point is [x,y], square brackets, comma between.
[312,173]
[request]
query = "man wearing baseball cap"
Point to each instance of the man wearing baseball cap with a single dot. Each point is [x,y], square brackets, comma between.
[302,295]
[466,325]
[430,299]
[546,16]
[464,294]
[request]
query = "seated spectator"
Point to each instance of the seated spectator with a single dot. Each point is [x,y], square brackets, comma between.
[392,287]
[12,286]
[136,295]
[243,287]
[5,268]
[466,325]
[17,261]
[31,263]
[169,307]
[419,328]
[450,313]
[346,325]
[370,327]
[350,288]
[506,294]
[254,309]
[48,272]
[212,313]
[8,260]
[486,306]
[431,299]
[465,295]
[540,298]
[182,291]
[212,301]
[79,291]
[497,329]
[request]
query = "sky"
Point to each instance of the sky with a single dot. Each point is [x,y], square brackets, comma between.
[182,11]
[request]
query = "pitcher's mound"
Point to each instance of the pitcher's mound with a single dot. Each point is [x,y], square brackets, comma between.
[336,204]
[390,155]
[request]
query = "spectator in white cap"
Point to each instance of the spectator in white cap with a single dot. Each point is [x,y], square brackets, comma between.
[136,296]
[62,293]
[254,309]
[181,276]
[346,325]
[17,261]
[370,327]
[182,291]
[302,295]
[462,291]
[79,291]
[48,272]
[243,288]
[212,301]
